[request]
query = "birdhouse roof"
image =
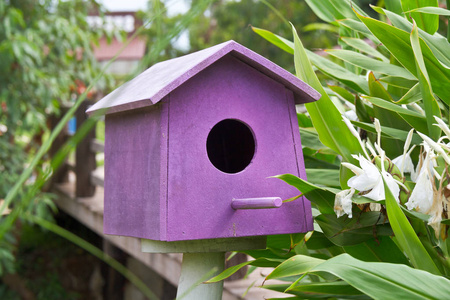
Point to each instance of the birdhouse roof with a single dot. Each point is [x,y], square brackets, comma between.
[152,85]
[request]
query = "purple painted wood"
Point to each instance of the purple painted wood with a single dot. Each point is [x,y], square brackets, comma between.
[256,203]
[214,131]
[155,83]
[132,173]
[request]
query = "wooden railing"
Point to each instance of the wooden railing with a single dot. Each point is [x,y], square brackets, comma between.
[85,162]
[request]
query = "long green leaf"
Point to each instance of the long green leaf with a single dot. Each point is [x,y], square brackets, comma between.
[364,47]
[413,118]
[356,82]
[323,199]
[295,265]
[429,23]
[431,106]
[352,231]
[431,10]
[320,290]
[398,43]
[371,64]
[326,118]
[437,43]
[389,132]
[412,96]
[378,249]
[325,10]
[260,262]
[406,237]
[386,280]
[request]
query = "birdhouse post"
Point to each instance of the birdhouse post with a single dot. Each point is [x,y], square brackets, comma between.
[189,146]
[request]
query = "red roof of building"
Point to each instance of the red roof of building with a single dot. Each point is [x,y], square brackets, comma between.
[134,51]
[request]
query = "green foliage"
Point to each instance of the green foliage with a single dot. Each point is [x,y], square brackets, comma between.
[390,76]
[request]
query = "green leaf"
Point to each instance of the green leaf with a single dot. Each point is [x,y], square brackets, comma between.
[346,231]
[326,118]
[389,132]
[310,139]
[407,239]
[427,22]
[323,199]
[378,249]
[359,27]
[260,262]
[274,39]
[347,8]
[437,43]
[364,47]
[386,280]
[321,290]
[398,81]
[344,93]
[394,6]
[430,104]
[304,121]
[295,265]
[413,118]
[327,177]
[356,82]
[412,96]
[398,43]
[371,64]
[431,10]
[325,10]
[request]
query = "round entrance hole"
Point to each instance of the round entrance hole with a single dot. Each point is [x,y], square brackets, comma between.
[230,146]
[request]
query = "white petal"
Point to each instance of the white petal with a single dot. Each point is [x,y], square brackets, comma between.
[355,169]
[377,193]
[422,196]
[343,203]
[404,163]
[392,185]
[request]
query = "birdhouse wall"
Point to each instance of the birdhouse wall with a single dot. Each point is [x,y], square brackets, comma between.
[133,156]
[199,194]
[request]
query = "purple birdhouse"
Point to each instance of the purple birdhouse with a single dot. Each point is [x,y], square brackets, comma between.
[191,144]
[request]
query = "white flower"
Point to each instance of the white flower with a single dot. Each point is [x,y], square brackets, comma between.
[370,180]
[343,203]
[404,163]
[422,196]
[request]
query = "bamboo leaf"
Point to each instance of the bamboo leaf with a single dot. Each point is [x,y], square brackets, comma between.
[437,43]
[429,23]
[431,10]
[322,290]
[412,96]
[430,104]
[371,64]
[346,231]
[389,132]
[295,265]
[398,43]
[397,281]
[413,118]
[323,199]
[260,262]
[406,237]
[364,47]
[378,249]
[326,118]
[274,39]
[325,10]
